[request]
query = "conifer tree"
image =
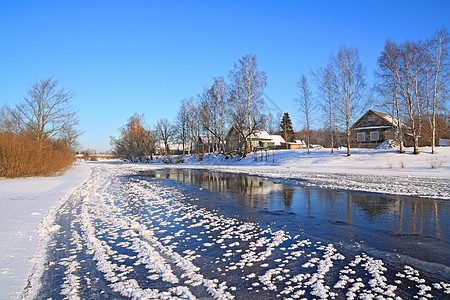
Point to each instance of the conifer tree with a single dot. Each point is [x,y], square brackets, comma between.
[286,130]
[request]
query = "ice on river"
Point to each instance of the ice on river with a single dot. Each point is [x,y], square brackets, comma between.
[143,239]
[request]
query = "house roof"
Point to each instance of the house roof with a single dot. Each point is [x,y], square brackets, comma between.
[277,139]
[297,142]
[261,134]
[387,117]
[258,134]
[390,119]
[207,139]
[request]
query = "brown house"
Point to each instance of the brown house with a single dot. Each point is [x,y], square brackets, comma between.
[373,128]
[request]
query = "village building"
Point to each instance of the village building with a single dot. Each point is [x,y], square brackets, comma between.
[277,140]
[209,144]
[296,144]
[259,138]
[373,128]
[174,148]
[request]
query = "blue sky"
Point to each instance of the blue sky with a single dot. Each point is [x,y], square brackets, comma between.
[122,57]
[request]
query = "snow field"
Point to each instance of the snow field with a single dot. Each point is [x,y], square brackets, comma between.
[151,241]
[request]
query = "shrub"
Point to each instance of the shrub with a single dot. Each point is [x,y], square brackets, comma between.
[22,156]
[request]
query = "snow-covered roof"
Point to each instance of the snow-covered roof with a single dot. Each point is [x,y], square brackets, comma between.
[261,134]
[172,146]
[297,142]
[390,119]
[277,139]
[208,139]
[387,117]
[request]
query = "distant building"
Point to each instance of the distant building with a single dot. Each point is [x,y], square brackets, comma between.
[208,144]
[373,128]
[296,144]
[174,148]
[277,140]
[444,142]
[260,139]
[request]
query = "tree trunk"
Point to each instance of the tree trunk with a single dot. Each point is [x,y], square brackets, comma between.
[433,133]
[348,139]
[416,144]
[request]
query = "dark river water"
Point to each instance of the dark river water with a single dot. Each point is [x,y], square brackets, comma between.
[382,224]
[199,234]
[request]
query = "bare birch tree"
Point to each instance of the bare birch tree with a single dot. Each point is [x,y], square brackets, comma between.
[46,111]
[213,112]
[182,124]
[247,87]
[346,83]
[305,104]
[323,80]
[410,82]
[437,76]
[195,128]
[387,85]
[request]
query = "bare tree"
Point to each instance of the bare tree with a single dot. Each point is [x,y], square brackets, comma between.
[213,112]
[194,125]
[166,133]
[347,87]
[247,87]
[437,76]
[323,79]
[239,119]
[305,104]
[182,124]
[387,85]
[6,122]
[271,123]
[135,142]
[46,111]
[410,82]
[69,136]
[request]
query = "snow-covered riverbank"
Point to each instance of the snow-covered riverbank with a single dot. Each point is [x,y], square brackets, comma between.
[27,207]
[368,170]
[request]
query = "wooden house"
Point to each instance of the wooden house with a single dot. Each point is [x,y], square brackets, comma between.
[260,139]
[277,139]
[373,128]
[296,144]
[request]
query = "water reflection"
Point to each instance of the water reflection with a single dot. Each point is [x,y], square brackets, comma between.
[395,214]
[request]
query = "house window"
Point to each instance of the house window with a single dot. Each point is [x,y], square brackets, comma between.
[360,136]
[374,136]
[371,119]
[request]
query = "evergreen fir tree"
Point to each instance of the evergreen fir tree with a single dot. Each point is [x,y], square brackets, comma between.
[286,130]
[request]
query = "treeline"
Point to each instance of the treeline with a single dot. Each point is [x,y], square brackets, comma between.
[38,136]
[411,85]
[237,102]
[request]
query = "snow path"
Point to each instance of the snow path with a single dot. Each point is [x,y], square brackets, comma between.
[26,205]
[123,236]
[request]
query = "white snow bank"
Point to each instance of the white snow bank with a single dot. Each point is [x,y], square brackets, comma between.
[24,205]
[386,145]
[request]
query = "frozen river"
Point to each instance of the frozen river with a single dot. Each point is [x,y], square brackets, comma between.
[199,234]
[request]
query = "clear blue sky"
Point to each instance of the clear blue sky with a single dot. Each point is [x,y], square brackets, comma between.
[122,57]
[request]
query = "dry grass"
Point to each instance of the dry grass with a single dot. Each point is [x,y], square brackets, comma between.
[21,157]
